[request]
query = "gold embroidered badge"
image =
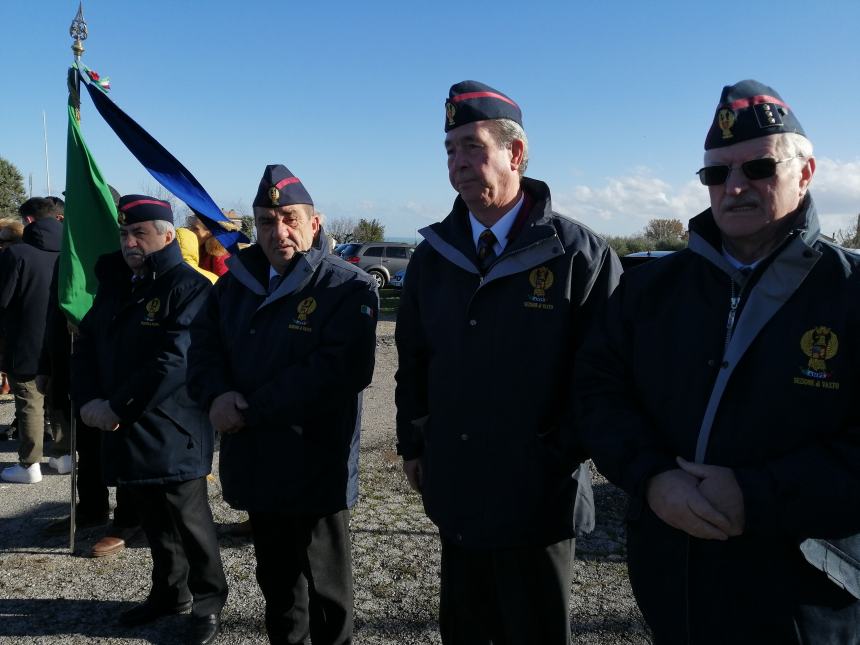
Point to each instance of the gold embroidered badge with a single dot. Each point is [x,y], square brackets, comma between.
[274,195]
[541,279]
[450,111]
[306,308]
[819,345]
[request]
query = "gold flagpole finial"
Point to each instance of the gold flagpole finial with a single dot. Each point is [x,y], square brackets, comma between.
[78,31]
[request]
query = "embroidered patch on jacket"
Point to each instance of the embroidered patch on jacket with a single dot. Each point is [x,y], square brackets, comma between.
[304,310]
[819,344]
[368,311]
[152,308]
[541,279]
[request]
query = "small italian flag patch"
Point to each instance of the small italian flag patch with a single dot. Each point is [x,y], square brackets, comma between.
[367,311]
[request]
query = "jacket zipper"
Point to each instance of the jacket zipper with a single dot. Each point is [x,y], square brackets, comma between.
[733,310]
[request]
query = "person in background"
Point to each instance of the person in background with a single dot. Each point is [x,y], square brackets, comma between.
[27,272]
[212,255]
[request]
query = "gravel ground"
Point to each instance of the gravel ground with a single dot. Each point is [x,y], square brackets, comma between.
[50,596]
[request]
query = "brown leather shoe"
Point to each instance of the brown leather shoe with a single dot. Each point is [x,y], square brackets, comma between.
[108,545]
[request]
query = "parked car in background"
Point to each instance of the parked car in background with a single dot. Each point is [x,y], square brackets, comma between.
[380,259]
[635,259]
[339,247]
[397,279]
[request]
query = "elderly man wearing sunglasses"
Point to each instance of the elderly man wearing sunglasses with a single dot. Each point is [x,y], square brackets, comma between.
[720,391]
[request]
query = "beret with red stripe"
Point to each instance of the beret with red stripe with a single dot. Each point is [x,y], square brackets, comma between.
[132,209]
[279,187]
[470,101]
[749,110]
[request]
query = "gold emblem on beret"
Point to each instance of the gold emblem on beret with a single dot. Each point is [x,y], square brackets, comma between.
[274,195]
[120,218]
[450,111]
[726,120]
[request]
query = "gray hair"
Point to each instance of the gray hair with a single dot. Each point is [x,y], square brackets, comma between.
[505,132]
[791,144]
[163,226]
[788,145]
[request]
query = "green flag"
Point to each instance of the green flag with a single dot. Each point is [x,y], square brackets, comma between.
[90,228]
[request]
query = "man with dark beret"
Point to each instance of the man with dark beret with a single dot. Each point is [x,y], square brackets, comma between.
[280,354]
[498,298]
[128,379]
[720,391]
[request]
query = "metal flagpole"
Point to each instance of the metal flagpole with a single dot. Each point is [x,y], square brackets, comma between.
[78,31]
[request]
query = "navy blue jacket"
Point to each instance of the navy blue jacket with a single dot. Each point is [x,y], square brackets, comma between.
[774,398]
[132,351]
[26,273]
[485,370]
[301,357]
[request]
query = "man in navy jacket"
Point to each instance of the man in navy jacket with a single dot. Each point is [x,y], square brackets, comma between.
[129,370]
[280,353]
[498,298]
[720,391]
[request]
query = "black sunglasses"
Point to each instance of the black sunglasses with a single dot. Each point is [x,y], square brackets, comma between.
[754,169]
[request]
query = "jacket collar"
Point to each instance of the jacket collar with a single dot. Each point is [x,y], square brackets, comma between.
[251,267]
[45,234]
[113,268]
[452,237]
[706,239]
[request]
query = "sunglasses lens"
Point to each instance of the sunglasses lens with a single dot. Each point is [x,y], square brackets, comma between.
[714,175]
[759,168]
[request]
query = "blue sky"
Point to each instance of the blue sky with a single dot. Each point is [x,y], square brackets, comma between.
[616,96]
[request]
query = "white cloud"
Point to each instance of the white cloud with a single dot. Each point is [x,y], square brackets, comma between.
[623,205]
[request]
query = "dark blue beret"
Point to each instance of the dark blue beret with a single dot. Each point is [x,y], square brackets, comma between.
[142,208]
[749,110]
[470,101]
[279,187]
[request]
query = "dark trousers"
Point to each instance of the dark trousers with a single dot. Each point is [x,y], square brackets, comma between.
[513,596]
[304,569]
[92,491]
[186,559]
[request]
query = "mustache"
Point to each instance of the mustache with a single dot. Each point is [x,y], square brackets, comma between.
[129,253]
[729,204]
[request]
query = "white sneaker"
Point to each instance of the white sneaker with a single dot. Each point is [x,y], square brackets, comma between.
[21,475]
[63,465]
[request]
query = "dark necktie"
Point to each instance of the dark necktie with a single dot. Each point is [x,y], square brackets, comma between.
[274,281]
[486,254]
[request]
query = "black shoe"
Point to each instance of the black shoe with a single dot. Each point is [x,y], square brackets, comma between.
[62,526]
[147,611]
[204,629]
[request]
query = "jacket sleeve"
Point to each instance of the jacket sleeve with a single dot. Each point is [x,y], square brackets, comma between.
[340,367]
[611,424]
[165,372]
[8,279]
[602,279]
[208,371]
[412,368]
